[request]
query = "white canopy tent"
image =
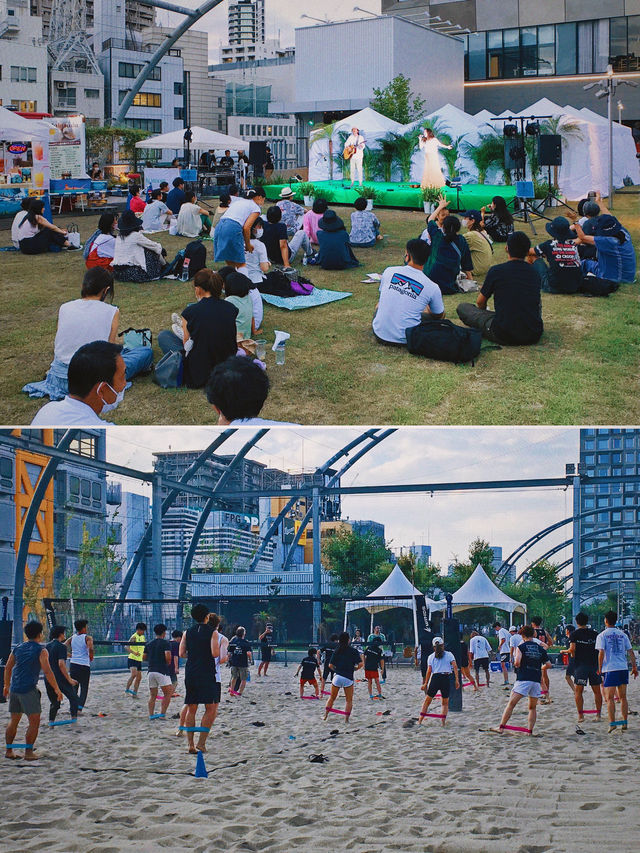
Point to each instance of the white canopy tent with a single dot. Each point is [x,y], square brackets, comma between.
[395,591]
[480,591]
[202,140]
[15,128]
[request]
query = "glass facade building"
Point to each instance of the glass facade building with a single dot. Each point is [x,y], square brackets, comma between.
[609,534]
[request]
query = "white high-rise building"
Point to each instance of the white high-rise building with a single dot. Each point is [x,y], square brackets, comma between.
[23,58]
[246,30]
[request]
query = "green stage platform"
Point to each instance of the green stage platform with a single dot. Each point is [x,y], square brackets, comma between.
[468,197]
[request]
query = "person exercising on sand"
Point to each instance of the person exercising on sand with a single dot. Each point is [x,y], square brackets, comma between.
[531,660]
[309,665]
[440,665]
[345,662]
[582,651]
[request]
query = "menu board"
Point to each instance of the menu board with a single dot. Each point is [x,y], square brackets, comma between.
[67,152]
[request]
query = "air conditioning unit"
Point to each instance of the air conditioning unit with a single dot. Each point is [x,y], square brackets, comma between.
[60,84]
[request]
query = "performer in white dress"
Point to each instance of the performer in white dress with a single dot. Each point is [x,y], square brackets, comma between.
[357,141]
[432,173]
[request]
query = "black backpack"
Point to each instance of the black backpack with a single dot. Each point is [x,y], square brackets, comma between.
[444,341]
[197,254]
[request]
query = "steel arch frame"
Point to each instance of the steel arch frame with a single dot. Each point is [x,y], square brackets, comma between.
[375,440]
[275,524]
[599,579]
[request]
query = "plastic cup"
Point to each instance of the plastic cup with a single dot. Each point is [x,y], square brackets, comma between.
[38,179]
[261,349]
[38,152]
[280,353]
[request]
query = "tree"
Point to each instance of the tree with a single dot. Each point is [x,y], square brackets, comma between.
[486,154]
[359,561]
[396,101]
[98,569]
[544,574]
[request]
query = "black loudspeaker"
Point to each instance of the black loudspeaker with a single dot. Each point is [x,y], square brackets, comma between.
[451,637]
[257,156]
[550,149]
[514,154]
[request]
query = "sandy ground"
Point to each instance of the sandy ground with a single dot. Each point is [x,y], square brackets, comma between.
[122,782]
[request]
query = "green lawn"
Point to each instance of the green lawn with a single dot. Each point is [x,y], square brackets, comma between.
[583,371]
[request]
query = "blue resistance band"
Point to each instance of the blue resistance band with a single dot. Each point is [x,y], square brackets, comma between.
[63,722]
[194,729]
[19,746]
[157,716]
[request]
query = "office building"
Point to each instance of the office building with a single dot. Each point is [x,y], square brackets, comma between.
[517,51]
[23,58]
[608,533]
[421,552]
[129,516]
[138,14]
[246,32]
[375,528]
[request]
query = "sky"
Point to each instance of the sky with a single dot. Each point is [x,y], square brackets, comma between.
[281,15]
[448,522]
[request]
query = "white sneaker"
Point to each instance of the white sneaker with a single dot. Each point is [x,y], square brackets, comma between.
[177,330]
[176,318]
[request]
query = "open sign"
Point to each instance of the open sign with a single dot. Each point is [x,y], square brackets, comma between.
[18,147]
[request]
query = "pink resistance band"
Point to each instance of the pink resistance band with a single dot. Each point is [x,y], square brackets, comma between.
[310,697]
[516,729]
[468,684]
[324,693]
[595,711]
[336,711]
[439,716]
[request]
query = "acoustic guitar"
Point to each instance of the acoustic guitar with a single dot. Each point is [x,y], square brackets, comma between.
[349,151]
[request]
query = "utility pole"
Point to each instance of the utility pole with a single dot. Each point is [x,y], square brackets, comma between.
[317,565]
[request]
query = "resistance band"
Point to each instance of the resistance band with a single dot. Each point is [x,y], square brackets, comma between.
[63,722]
[193,729]
[439,716]
[336,711]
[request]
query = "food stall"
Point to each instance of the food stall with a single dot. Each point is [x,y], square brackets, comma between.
[24,159]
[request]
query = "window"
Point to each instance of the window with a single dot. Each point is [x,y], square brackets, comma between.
[177,88]
[477,56]
[85,488]
[178,113]
[219,103]
[132,69]
[241,130]
[143,99]
[74,486]
[566,49]
[546,51]
[153,125]
[92,94]
[96,491]
[23,74]
[66,97]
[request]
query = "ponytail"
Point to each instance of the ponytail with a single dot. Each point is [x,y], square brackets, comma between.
[450,227]
[438,650]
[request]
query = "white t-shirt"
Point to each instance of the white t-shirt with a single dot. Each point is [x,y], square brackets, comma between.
[67,412]
[259,422]
[358,141]
[405,292]
[503,634]
[80,322]
[480,647]
[441,665]
[253,260]
[154,216]
[426,236]
[616,645]
[514,641]
[240,210]
[105,245]
[189,222]
[24,229]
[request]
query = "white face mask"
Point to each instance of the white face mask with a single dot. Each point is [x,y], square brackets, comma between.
[109,407]
[259,232]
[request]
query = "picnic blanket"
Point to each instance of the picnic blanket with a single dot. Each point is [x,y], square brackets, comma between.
[295,303]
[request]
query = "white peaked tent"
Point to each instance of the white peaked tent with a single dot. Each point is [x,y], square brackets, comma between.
[202,140]
[372,126]
[395,591]
[15,128]
[480,591]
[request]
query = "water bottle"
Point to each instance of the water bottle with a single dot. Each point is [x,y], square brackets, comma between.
[304,260]
[184,276]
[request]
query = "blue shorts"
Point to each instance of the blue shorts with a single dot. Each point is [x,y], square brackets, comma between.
[615,678]
[228,242]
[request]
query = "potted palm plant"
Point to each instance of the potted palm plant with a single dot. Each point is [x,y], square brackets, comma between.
[430,196]
[307,191]
[370,194]
[486,154]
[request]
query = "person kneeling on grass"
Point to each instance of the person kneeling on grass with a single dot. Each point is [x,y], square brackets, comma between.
[158,655]
[406,296]
[82,321]
[440,665]
[515,286]
[365,226]
[309,665]
[531,660]
[21,676]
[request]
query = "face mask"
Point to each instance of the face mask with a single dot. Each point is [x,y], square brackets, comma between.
[109,407]
[259,232]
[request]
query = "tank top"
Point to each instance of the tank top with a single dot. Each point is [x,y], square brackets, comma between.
[27,669]
[200,663]
[81,321]
[79,650]
[137,652]
[26,229]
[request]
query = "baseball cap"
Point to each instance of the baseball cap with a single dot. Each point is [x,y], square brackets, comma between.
[438,641]
[472,214]
[513,628]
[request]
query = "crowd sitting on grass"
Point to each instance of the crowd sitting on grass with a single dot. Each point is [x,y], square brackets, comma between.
[593,254]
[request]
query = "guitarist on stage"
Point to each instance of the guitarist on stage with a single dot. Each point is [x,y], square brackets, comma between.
[354,152]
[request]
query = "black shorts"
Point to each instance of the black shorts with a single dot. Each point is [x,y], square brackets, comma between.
[202,692]
[265,654]
[571,667]
[505,657]
[326,672]
[584,675]
[134,664]
[481,663]
[440,681]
